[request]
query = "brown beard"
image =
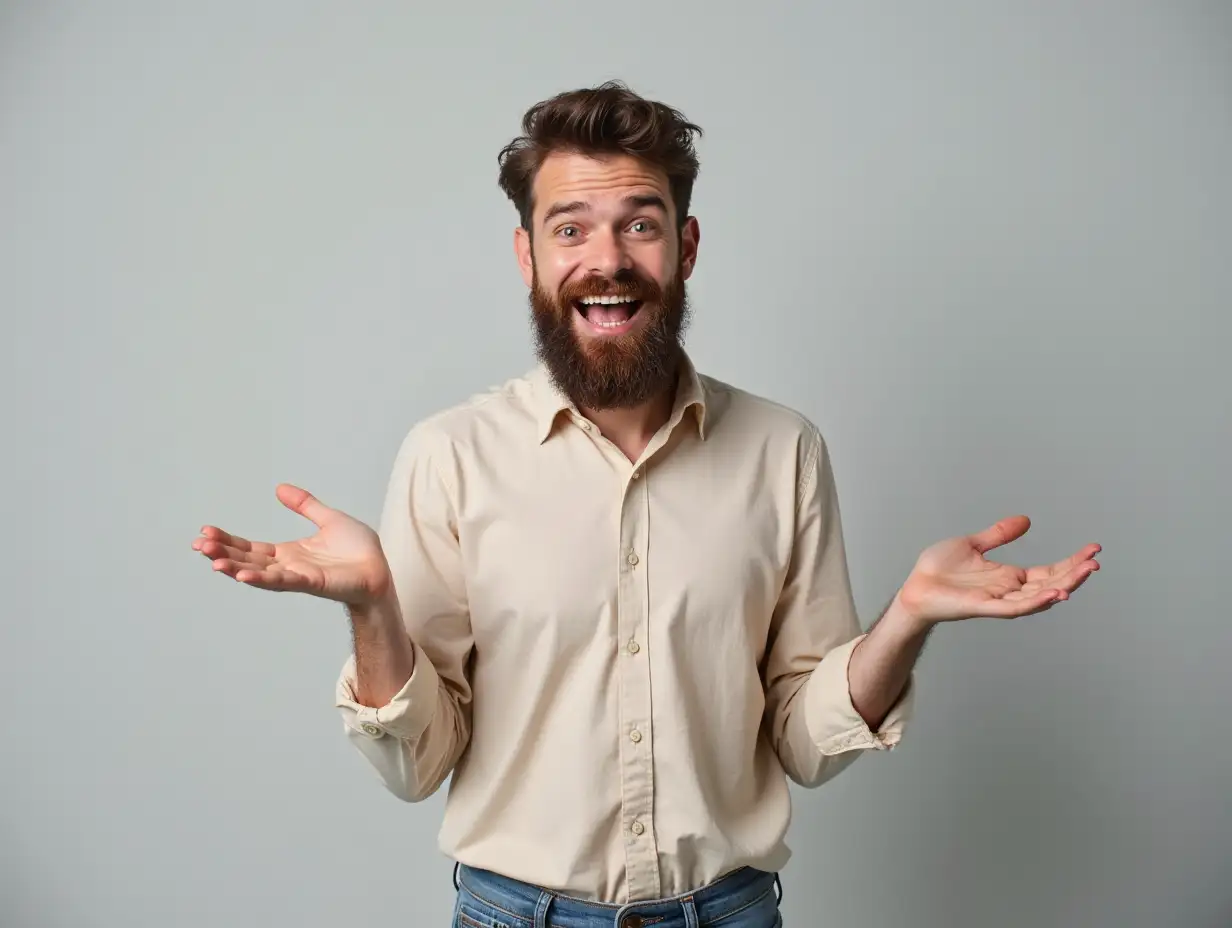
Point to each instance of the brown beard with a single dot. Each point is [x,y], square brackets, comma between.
[621,371]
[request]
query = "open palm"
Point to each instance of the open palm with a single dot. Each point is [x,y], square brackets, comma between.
[953,580]
[343,561]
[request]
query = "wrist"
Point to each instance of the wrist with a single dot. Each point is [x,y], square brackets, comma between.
[380,607]
[900,618]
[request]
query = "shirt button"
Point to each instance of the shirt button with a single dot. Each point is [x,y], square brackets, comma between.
[635,736]
[637,828]
[636,474]
[634,647]
[585,423]
[632,559]
[370,729]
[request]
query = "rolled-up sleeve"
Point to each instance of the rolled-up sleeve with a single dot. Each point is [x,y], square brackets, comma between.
[413,741]
[815,728]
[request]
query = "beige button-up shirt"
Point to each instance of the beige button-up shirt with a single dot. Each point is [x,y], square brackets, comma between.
[620,663]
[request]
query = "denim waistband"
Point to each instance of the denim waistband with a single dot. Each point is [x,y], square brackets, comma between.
[719,899]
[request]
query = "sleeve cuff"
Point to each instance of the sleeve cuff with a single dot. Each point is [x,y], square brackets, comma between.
[408,711]
[833,722]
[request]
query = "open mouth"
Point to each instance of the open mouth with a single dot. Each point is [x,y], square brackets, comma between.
[608,313]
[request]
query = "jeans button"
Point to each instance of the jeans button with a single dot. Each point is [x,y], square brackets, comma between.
[632,921]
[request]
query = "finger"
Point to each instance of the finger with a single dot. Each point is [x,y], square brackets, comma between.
[1082,573]
[1083,554]
[225,565]
[1073,578]
[1067,580]
[1086,553]
[274,579]
[214,533]
[1001,533]
[216,550]
[1016,605]
[1038,609]
[301,501]
[267,578]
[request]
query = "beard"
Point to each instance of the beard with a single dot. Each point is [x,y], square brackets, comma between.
[618,371]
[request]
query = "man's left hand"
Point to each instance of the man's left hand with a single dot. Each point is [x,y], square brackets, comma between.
[953,580]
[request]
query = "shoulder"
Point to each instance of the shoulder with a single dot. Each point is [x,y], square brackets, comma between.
[753,414]
[487,418]
[778,432]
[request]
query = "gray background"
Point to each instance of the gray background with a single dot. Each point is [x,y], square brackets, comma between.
[985,246]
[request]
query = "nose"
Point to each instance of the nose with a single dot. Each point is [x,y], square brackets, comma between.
[607,255]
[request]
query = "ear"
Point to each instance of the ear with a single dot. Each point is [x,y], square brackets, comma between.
[522,250]
[690,238]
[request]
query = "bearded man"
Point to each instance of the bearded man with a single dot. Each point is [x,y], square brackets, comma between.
[611,597]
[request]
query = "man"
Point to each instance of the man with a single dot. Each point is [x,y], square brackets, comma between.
[611,596]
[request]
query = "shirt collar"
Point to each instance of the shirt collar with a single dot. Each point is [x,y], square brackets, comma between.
[549,402]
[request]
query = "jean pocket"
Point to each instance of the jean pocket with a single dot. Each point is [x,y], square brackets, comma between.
[470,911]
[469,919]
[762,912]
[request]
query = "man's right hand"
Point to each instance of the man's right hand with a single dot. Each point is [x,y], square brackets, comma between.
[343,561]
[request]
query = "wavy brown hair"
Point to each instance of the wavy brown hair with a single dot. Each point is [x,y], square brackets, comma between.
[608,119]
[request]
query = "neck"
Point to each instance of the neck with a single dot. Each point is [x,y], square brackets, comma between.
[631,428]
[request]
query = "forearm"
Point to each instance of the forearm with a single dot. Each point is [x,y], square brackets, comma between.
[384,657]
[882,662]
[402,715]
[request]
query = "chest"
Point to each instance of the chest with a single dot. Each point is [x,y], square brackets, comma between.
[569,543]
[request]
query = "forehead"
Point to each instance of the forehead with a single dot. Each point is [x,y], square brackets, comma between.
[598,180]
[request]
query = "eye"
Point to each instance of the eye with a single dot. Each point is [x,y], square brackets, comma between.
[568,232]
[642,226]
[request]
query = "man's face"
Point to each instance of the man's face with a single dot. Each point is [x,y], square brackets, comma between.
[606,272]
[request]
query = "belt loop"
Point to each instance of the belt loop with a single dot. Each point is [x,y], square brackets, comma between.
[690,913]
[456,865]
[541,909]
[778,884]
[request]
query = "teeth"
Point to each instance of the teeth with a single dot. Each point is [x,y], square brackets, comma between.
[605,300]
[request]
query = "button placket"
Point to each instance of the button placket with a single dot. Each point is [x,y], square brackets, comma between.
[636,754]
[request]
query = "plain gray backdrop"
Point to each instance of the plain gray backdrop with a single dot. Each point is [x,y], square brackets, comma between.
[985,246]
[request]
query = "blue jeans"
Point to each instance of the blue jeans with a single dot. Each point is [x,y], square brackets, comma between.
[744,898]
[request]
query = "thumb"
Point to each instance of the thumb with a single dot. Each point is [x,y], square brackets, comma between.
[301,501]
[1001,533]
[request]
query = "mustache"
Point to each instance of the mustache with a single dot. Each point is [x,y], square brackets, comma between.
[628,286]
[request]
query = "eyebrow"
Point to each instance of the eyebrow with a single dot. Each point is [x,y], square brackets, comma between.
[636,200]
